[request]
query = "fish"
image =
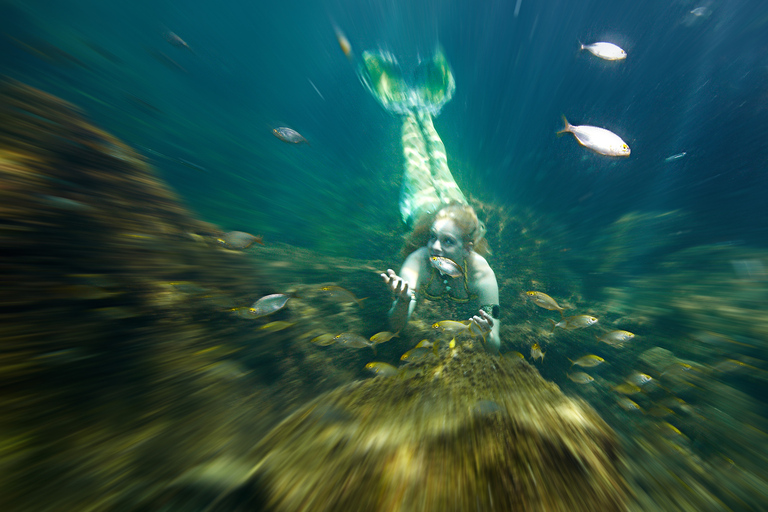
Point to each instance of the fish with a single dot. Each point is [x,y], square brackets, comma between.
[627,388]
[599,140]
[343,42]
[428,344]
[289,135]
[451,326]
[581,378]
[382,369]
[536,352]
[176,41]
[324,340]
[384,336]
[341,295]
[606,51]
[416,354]
[514,355]
[349,339]
[545,301]
[315,88]
[628,405]
[659,411]
[588,361]
[701,11]
[268,304]
[675,157]
[446,266]
[574,322]
[616,338]
[278,325]
[239,240]
[638,379]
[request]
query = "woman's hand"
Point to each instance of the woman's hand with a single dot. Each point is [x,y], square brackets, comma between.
[484,321]
[397,285]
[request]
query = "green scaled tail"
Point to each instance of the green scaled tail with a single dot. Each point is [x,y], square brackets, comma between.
[431,87]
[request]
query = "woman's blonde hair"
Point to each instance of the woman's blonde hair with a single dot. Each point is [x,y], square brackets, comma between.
[465,218]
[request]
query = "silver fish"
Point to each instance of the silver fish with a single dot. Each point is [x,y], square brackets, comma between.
[574,322]
[581,378]
[597,139]
[239,240]
[607,51]
[349,339]
[268,304]
[446,266]
[289,135]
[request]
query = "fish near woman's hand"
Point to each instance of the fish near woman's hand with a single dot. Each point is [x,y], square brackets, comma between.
[397,285]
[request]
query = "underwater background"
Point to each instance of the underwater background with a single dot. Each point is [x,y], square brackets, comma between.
[103,375]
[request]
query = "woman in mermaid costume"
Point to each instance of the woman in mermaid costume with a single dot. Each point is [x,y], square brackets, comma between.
[448,266]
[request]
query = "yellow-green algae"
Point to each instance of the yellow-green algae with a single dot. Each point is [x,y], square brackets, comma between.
[466,432]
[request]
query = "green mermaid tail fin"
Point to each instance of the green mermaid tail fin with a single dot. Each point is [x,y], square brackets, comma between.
[432,85]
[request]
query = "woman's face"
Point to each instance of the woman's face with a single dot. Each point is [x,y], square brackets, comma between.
[445,240]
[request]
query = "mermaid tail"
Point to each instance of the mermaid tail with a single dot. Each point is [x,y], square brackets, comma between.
[431,86]
[427,183]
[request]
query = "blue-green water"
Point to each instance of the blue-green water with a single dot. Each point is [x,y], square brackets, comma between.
[690,84]
[690,100]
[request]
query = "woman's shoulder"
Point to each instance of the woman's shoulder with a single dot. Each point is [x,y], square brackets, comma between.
[480,270]
[418,260]
[479,264]
[420,254]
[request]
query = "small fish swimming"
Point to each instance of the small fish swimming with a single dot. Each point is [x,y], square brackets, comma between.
[343,42]
[627,388]
[384,336]
[514,355]
[446,266]
[581,378]
[702,11]
[176,41]
[289,135]
[268,304]
[349,339]
[536,352]
[616,338]
[324,340]
[339,294]
[416,354]
[588,361]
[606,51]
[278,325]
[638,378]
[675,157]
[574,322]
[382,369]
[239,240]
[628,405]
[545,301]
[428,344]
[599,140]
[451,327]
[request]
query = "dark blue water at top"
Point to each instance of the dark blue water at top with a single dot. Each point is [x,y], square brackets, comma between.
[693,85]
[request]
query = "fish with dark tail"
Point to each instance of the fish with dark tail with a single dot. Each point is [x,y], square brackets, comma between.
[289,135]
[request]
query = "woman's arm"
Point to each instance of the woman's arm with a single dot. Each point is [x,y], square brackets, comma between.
[488,294]
[403,287]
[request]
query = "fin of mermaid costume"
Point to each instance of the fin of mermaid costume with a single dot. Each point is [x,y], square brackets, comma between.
[427,181]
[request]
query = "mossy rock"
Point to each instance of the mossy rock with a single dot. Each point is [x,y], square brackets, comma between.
[465,431]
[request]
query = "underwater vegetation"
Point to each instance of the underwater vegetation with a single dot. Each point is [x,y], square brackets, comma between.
[134,374]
